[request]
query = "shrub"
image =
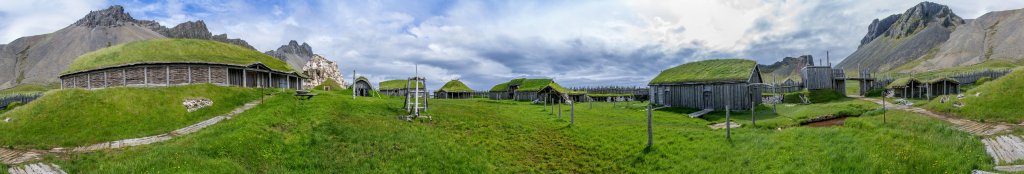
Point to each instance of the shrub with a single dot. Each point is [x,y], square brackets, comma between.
[824,95]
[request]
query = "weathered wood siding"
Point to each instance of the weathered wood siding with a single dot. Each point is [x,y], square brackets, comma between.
[738,95]
[175,74]
[817,77]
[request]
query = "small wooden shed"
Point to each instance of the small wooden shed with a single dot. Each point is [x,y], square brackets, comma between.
[943,86]
[454,89]
[709,84]
[529,89]
[362,87]
[907,87]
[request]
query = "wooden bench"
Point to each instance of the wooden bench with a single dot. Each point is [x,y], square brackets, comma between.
[304,95]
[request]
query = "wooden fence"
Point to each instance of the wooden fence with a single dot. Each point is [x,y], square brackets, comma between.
[639,93]
[21,98]
[963,77]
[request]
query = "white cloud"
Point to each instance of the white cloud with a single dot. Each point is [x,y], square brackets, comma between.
[33,17]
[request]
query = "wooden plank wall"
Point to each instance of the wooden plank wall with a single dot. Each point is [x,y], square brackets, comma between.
[738,96]
[817,77]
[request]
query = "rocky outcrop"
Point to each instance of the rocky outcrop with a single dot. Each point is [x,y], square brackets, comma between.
[40,59]
[899,39]
[319,69]
[789,67]
[195,30]
[995,36]
[295,54]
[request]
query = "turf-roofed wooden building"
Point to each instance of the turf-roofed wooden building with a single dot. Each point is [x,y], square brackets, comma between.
[531,89]
[454,89]
[168,62]
[943,86]
[398,87]
[907,87]
[362,87]
[709,84]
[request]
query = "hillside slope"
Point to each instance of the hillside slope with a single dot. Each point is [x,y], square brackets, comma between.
[39,59]
[995,36]
[788,68]
[998,100]
[903,38]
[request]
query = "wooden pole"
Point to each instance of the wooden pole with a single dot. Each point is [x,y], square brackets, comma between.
[650,128]
[572,113]
[753,120]
[559,110]
[727,133]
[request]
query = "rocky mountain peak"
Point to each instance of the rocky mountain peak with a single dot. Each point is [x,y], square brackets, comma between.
[112,16]
[913,20]
[293,47]
[319,69]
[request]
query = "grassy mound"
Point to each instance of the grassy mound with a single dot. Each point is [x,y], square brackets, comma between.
[714,70]
[329,83]
[74,117]
[480,136]
[824,95]
[999,100]
[455,86]
[27,89]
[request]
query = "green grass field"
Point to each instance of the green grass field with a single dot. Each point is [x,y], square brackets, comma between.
[74,117]
[332,133]
[27,89]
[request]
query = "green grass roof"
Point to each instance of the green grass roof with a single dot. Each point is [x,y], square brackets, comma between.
[943,79]
[534,84]
[396,84]
[502,87]
[609,95]
[174,51]
[363,79]
[715,70]
[455,86]
[902,82]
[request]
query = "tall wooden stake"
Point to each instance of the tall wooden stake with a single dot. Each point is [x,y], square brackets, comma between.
[753,120]
[572,113]
[650,128]
[727,125]
[559,110]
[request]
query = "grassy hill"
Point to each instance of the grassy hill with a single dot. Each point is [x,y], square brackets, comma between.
[999,100]
[74,117]
[485,136]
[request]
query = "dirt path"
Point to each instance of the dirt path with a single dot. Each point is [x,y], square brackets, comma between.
[13,157]
[1004,149]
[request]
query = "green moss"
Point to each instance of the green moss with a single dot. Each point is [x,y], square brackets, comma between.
[174,50]
[501,87]
[455,86]
[715,70]
[902,82]
[398,84]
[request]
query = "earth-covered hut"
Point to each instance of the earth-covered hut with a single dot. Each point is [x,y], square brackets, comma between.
[454,89]
[709,84]
[361,87]
[907,87]
[169,62]
[397,87]
[943,86]
[523,89]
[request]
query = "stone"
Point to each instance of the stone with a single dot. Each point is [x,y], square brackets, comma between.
[293,53]
[319,69]
[191,105]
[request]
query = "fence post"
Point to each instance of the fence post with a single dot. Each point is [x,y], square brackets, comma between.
[727,125]
[650,131]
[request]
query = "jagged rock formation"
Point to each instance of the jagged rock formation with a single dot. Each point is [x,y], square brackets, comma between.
[195,30]
[293,53]
[40,59]
[789,67]
[902,38]
[995,36]
[319,69]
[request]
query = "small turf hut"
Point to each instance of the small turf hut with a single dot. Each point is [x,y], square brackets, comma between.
[907,87]
[169,62]
[943,86]
[454,89]
[708,84]
[530,89]
[362,87]
[397,87]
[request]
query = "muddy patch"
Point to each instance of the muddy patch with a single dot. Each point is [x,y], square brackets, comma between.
[825,121]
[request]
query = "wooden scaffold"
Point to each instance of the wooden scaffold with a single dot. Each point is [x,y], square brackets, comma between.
[416,98]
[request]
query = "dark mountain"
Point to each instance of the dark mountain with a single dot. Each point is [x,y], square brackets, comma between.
[789,67]
[40,59]
[293,53]
[902,38]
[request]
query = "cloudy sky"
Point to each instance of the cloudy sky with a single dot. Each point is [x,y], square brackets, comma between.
[578,43]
